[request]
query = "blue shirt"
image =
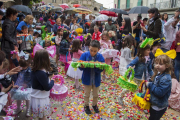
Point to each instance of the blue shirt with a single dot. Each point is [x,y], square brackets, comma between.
[82,23]
[22,23]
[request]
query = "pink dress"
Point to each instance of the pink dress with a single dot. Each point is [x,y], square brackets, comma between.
[78,54]
[174,99]
[106,44]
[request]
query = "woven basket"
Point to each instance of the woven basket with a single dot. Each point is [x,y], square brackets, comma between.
[143,103]
[126,83]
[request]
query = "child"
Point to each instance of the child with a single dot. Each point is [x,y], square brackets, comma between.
[31,31]
[112,37]
[106,43]
[74,33]
[44,32]
[160,88]
[142,63]
[37,37]
[77,52]
[125,57]
[26,42]
[96,34]
[65,50]
[57,25]
[87,43]
[5,67]
[40,103]
[22,81]
[91,78]
[57,41]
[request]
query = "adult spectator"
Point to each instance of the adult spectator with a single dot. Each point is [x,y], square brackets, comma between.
[48,15]
[119,20]
[82,21]
[1,14]
[48,24]
[74,25]
[125,29]
[28,21]
[137,28]
[170,30]
[154,25]
[9,32]
[67,24]
[109,26]
[43,14]
[1,7]
[98,23]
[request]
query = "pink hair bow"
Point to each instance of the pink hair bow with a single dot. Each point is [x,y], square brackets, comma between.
[14,52]
[61,27]
[51,49]
[80,38]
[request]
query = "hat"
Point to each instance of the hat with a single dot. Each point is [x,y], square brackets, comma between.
[109,19]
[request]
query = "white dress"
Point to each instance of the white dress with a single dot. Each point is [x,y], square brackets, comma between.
[125,59]
[74,73]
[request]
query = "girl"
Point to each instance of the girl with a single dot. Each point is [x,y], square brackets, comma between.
[57,41]
[76,50]
[160,88]
[106,43]
[87,43]
[65,50]
[74,25]
[125,57]
[40,103]
[112,36]
[142,63]
[23,82]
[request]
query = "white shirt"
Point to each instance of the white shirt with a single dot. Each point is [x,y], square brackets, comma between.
[170,33]
[3,100]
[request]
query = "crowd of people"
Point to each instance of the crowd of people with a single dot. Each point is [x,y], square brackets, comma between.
[77,39]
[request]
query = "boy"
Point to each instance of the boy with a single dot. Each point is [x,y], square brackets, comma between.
[96,34]
[44,32]
[26,44]
[56,26]
[91,78]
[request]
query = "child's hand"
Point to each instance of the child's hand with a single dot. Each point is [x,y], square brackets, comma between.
[69,49]
[82,66]
[19,41]
[14,56]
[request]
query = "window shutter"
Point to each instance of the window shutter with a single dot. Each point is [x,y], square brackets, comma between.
[119,4]
[127,4]
[139,3]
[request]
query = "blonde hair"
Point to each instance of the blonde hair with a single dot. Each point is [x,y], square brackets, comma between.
[96,27]
[106,34]
[58,19]
[112,33]
[27,18]
[167,61]
[5,63]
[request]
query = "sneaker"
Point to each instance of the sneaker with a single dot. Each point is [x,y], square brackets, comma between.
[87,110]
[120,101]
[145,111]
[17,111]
[96,109]
[28,113]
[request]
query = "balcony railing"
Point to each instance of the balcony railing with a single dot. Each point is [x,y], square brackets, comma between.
[166,5]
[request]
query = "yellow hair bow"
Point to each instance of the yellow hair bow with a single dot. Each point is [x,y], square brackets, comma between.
[170,53]
[178,43]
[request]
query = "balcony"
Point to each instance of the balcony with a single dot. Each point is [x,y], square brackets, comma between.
[166,5]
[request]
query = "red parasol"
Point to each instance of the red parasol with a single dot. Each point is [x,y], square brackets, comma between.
[64,6]
[108,13]
[76,5]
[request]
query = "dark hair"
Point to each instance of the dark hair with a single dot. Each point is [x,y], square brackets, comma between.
[76,45]
[128,41]
[25,63]
[75,33]
[2,57]
[128,24]
[97,23]
[95,43]
[88,41]
[145,19]
[10,11]
[24,27]
[36,33]
[59,30]
[155,44]
[164,15]
[49,12]
[65,34]
[140,52]
[30,29]
[67,22]
[41,61]
[154,11]
[1,13]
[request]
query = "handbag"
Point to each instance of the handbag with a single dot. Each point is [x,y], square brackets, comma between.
[143,103]
[126,83]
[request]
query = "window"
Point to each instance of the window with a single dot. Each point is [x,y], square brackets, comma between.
[139,3]
[118,4]
[53,1]
[127,4]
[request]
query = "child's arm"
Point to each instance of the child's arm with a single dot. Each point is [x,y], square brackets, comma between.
[150,71]
[44,81]
[161,89]
[83,58]
[133,62]
[14,60]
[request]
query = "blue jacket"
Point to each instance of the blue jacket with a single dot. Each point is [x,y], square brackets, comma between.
[64,47]
[87,71]
[27,74]
[160,90]
[141,68]
[22,23]
[82,23]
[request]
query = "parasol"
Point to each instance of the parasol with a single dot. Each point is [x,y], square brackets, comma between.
[102,18]
[139,10]
[82,10]
[108,13]
[76,5]
[118,11]
[64,6]
[22,8]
